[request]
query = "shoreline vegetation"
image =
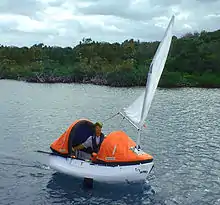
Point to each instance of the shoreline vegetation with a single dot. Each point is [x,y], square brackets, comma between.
[193,61]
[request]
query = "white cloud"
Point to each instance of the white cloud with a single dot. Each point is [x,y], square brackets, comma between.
[66,22]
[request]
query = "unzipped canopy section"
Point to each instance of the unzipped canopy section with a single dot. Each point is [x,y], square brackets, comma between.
[78,132]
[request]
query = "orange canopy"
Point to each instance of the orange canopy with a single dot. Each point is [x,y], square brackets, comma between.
[119,147]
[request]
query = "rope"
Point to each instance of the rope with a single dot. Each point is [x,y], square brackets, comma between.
[111,117]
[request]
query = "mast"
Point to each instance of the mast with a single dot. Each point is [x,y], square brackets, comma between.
[143,108]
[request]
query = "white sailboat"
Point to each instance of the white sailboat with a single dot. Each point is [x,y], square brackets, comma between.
[109,166]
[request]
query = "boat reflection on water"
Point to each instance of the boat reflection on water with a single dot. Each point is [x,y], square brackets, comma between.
[65,189]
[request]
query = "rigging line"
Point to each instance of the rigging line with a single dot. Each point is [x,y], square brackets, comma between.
[111,117]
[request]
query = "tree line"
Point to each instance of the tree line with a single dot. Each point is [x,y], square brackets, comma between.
[193,61]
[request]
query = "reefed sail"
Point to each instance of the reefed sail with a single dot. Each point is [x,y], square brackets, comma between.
[139,109]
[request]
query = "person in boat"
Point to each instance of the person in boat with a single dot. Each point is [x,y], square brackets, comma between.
[91,145]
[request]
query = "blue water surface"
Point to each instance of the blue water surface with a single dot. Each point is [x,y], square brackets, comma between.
[182,134]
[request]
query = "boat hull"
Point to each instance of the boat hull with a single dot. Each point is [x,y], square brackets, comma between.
[101,173]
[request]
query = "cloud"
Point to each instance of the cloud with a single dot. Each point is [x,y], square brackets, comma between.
[127,9]
[23,7]
[66,22]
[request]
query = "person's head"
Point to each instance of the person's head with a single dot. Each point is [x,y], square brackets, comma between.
[98,128]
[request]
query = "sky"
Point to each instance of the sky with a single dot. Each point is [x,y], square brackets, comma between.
[66,22]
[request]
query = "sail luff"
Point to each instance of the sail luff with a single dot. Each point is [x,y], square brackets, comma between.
[164,44]
[138,110]
[150,86]
[151,70]
[145,95]
[161,43]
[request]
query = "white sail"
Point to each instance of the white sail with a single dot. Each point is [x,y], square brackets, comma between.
[139,109]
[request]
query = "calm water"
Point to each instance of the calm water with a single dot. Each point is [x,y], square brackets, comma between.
[183,135]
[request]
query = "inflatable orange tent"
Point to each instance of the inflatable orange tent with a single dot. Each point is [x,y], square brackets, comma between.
[118,148]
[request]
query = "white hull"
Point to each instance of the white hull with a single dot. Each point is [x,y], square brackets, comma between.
[100,173]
